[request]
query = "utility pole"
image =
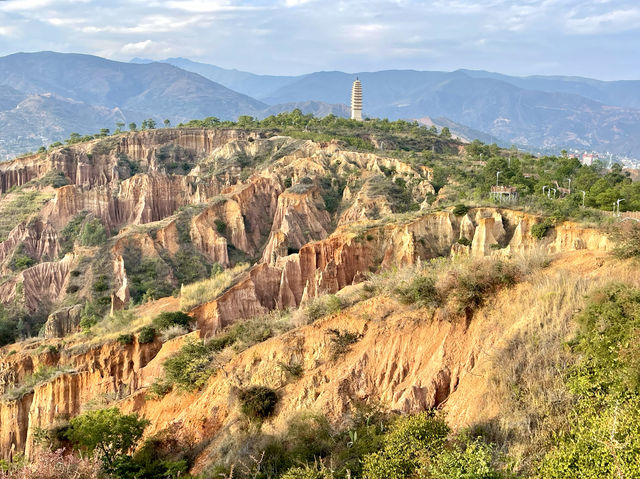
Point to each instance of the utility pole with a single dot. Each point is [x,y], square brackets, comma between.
[498,178]
[569,185]
[509,161]
[584,193]
[618,204]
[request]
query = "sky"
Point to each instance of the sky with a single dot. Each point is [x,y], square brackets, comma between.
[592,38]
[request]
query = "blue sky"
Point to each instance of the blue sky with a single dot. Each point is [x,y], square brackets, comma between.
[594,38]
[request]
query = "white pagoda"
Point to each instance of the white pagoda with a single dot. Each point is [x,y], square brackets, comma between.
[356,100]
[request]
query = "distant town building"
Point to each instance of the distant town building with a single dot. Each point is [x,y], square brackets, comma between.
[356,100]
[589,158]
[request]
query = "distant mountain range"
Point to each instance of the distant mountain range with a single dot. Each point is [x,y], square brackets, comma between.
[44,96]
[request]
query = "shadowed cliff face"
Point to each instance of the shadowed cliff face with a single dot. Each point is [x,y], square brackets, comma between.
[142,214]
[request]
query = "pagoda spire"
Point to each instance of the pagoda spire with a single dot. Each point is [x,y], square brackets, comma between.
[356,100]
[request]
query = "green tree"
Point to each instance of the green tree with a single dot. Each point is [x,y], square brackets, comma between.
[133,126]
[105,132]
[106,432]
[92,233]
[445,133]
[119,126]
[167,123]
[74,138]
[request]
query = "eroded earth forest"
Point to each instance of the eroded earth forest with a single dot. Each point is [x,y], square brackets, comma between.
[315,298]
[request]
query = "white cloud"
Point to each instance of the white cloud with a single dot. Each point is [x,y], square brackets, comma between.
[614,21]
[7,31]
[137,48]
[208,6]
[296,3]
[297,36]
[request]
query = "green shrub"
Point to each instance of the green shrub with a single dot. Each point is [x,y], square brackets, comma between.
[460,210]
[221,226]
[539,230]
[146,335]
[603,439]
[294,369]
[190,368]
[89,316]
[92,233]
[469,288]
[464,241]
[341,341]
[626,238]
[20,262]
[421,291]
[323,306]
[125,339]
[412,439]
[308,472]
[146,275]
[258,402]
[54,178]
[166,320]
[159,389]
[70,232]
[474,460]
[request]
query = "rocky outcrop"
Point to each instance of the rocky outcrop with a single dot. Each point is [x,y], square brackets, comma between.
[299,219]
[141,199]
[108,370]
[42,285]
[345,257]
[63,322]
[39,239]
[96,163]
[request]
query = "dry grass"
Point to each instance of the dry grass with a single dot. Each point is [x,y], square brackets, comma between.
[527,371]
[207,290]
[456,285]
[19,205]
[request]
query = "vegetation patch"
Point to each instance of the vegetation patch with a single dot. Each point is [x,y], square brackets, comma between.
[258,402]
[166,320]
[147,335]
[191,367]
[322,306]
[125,339]
[147,275]
[207,290]
[42,375]
[23,204]
[20,259]
[53,178]
[626,238]
[70,232]
[460,210]
[341,341]
[539,230]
